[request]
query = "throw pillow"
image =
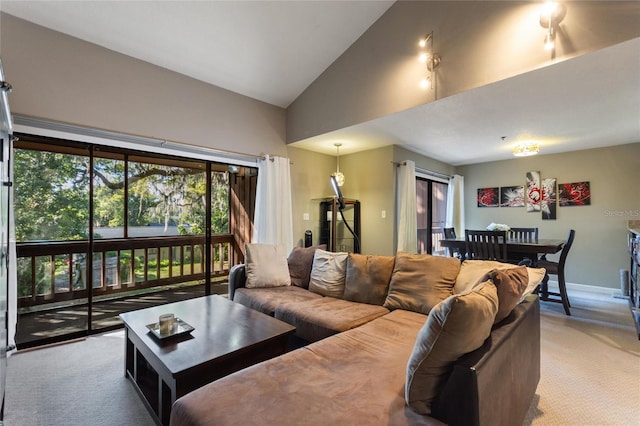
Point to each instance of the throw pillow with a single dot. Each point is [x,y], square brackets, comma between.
[510,284]
[367,278]
[456,326]
[421,281]
[300,261]
[266,266]
[536,275]
[473,272]
[328,273]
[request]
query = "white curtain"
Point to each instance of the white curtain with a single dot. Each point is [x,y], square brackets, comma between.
[273,221]
[455,205]
[407,217]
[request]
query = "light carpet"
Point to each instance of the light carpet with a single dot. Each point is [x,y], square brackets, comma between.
[590,375]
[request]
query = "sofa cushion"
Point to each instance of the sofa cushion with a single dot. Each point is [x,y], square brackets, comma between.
[510,284]
[421,281]
[367,278]
[300,261]
[456,326]
[328,273]
[473,272]
[317,319]
[266,266]
[267,299]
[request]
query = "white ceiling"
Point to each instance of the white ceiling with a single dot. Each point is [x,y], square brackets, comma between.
[272,50]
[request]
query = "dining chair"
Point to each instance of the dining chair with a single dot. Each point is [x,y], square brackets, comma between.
[556,268]
[450,233]
[486,245]
[522,234]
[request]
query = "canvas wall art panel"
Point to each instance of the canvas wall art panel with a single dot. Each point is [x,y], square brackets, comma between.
[574,194]
[549,199]
[533,192]
[488,197]
[512,196]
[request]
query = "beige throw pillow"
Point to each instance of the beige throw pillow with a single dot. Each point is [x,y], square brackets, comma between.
[456,326]
[473,272]
[300,261]
[328,273]
[421,281]
[367,279]
[266,266]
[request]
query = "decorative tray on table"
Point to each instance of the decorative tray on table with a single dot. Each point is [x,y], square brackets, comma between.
[179,328]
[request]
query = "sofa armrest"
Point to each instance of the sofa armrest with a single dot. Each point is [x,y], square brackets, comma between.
[237,278]
[495,384]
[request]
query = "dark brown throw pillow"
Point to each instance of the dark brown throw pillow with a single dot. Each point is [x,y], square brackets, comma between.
[300,262]
[511,284]
[368,277]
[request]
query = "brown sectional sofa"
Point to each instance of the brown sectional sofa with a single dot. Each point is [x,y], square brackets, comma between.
[355,370]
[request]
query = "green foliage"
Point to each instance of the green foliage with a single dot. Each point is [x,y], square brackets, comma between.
[52,196]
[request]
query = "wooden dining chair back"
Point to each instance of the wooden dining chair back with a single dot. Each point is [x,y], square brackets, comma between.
[450,234]
[524,234]
[557,268]
[486,245]
[529,235]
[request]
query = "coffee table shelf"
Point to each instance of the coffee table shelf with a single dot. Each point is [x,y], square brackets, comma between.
[227,337]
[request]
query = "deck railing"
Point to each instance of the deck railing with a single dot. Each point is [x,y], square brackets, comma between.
[437,234]
[50,272]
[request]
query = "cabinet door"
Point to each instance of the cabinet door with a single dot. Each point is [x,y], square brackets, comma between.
[334,231]
[344,240]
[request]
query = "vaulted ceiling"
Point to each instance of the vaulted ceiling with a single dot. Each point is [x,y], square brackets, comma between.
[272,50]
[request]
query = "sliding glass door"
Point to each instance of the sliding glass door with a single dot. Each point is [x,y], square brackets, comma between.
[103,230]
[432,210]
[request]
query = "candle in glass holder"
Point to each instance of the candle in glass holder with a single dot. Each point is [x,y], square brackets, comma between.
[166,323]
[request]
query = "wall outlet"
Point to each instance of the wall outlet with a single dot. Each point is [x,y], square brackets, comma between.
[305,216]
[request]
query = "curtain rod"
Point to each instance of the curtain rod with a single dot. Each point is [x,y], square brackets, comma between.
[57,126]
[425,171]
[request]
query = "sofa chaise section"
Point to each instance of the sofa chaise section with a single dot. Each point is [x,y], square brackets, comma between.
[358,376]
[353,378]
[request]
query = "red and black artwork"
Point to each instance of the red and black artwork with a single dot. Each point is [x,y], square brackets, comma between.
[488,197]
[548,204]
[534,194]
[574,194]
[512,196]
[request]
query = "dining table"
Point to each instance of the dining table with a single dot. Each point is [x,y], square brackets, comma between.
[522,246]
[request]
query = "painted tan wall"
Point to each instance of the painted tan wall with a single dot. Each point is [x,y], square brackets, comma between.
[480,42]
[61,78]
[599,250]
[310,173]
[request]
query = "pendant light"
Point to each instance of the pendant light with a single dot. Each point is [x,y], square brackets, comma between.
[338,174]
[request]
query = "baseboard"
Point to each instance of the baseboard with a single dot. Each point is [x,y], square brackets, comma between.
[604,292]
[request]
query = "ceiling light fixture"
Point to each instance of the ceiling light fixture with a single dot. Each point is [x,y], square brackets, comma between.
[338,174]
[432,60]
[550,17]
[525,149]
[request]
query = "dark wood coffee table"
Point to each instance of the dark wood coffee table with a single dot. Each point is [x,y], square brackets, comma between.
[227,337]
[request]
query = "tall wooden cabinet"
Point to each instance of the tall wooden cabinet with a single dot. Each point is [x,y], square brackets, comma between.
[333,231]
[634,286]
